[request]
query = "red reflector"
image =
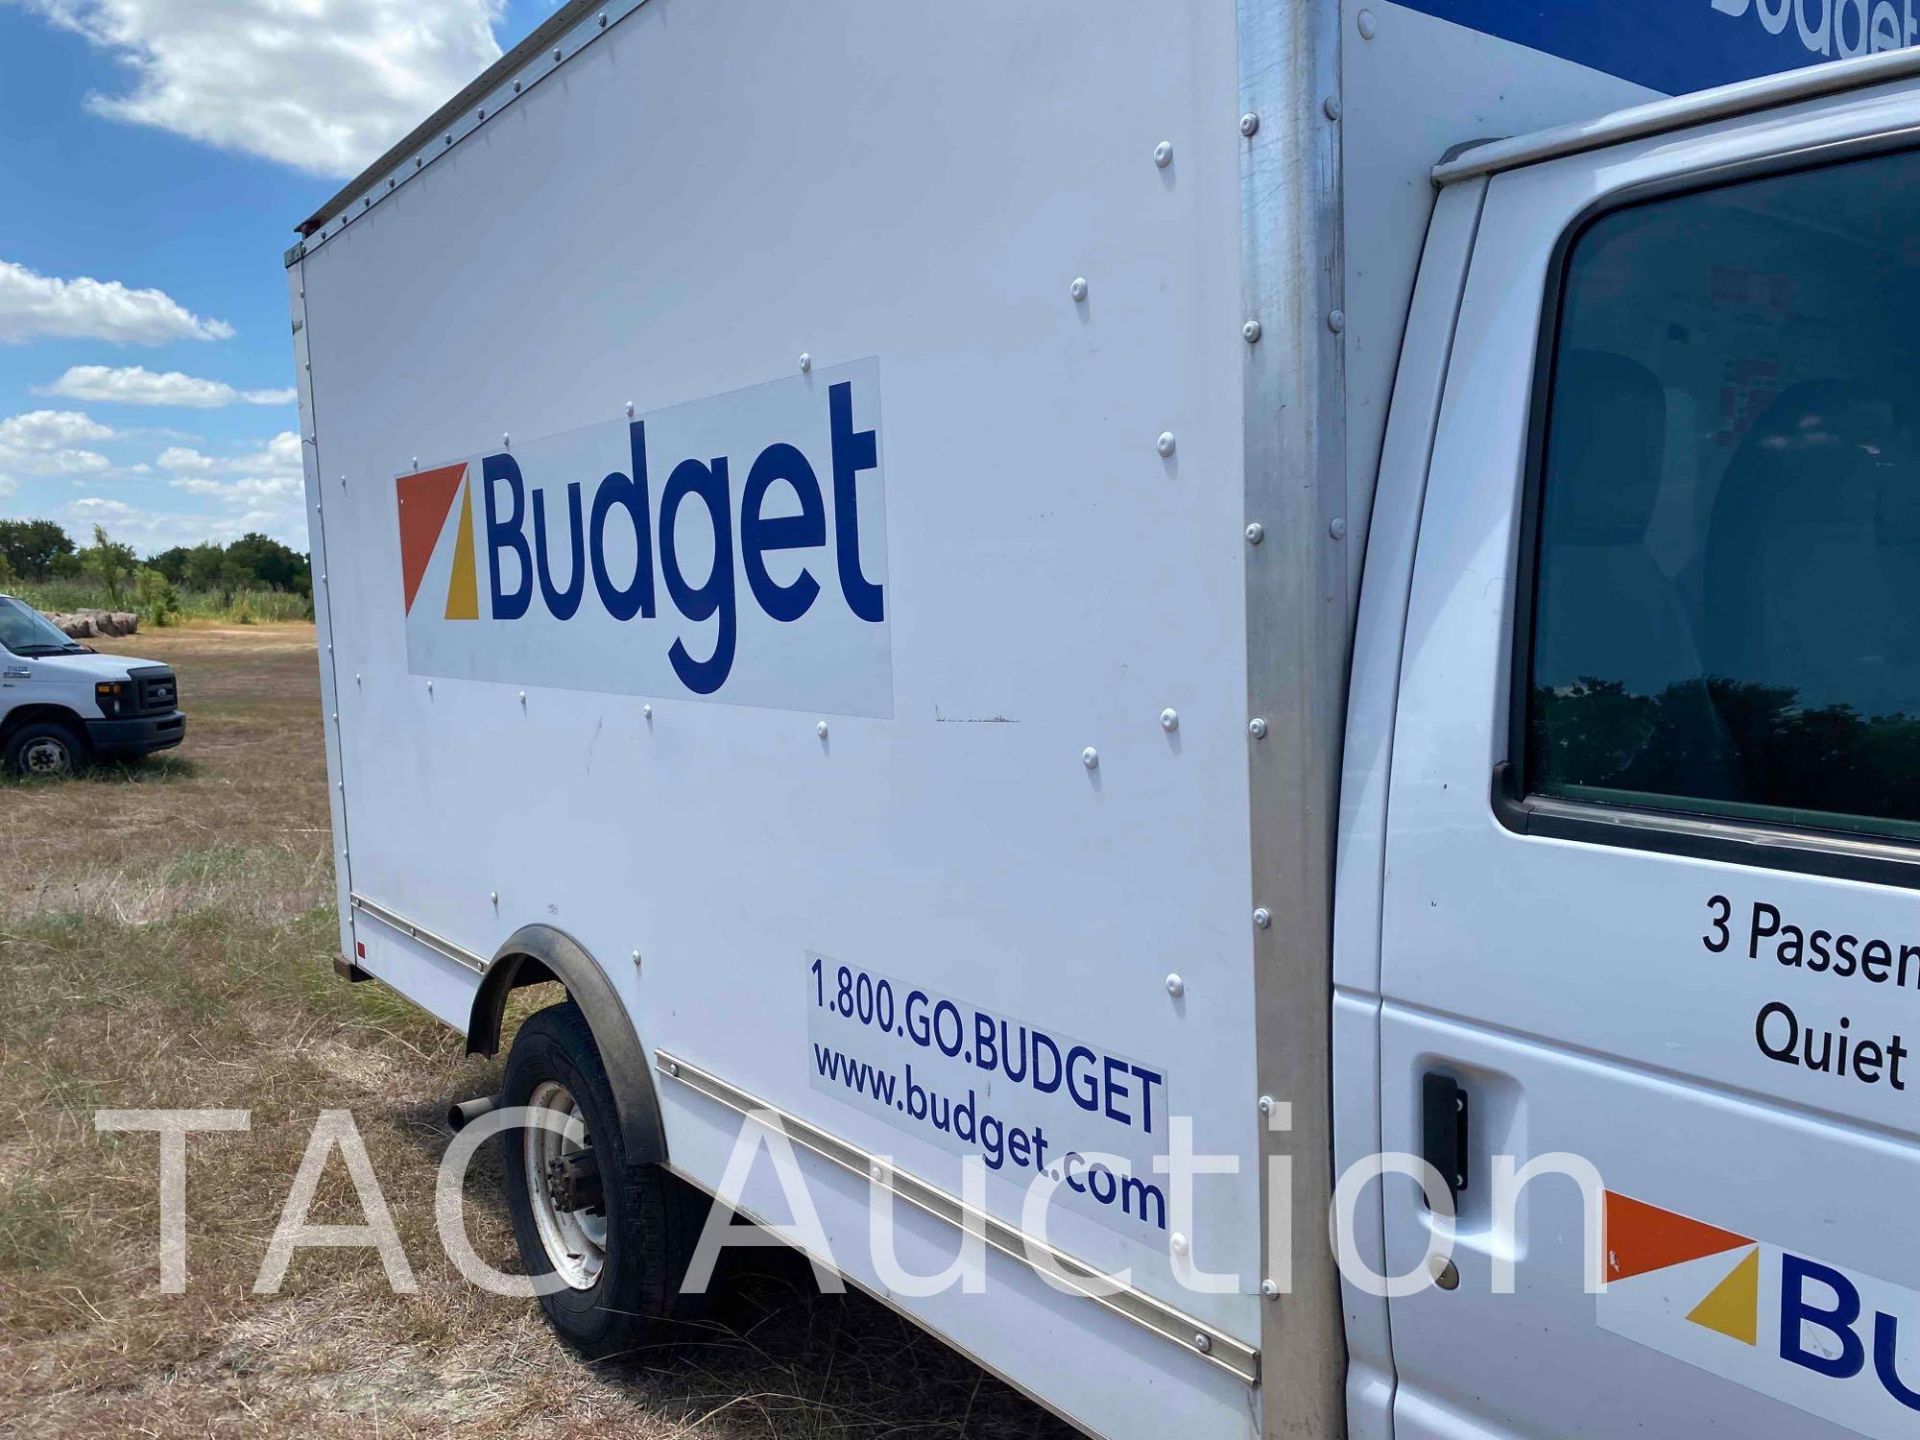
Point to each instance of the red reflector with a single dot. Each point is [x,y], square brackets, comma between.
[360,948]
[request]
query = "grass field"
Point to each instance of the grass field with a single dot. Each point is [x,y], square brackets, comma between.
[166,930]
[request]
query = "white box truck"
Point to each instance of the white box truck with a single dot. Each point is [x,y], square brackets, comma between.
[1024,590]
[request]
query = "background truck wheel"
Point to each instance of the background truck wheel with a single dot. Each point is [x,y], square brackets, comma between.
[616,1232]
[43,749]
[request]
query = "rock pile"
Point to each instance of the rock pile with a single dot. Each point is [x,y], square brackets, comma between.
[91,624]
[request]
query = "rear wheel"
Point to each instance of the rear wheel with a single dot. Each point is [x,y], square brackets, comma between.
[617,1234]
[43,749]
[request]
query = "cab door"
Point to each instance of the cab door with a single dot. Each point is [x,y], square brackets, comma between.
[1652,880]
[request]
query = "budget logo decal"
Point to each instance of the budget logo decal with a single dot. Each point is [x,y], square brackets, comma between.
[732,548]
[1835,1343]
[426,499]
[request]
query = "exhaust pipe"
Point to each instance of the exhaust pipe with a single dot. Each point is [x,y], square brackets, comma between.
[465,1112]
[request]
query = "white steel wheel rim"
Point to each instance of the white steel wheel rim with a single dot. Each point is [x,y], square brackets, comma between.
[46,756]
[575,1242]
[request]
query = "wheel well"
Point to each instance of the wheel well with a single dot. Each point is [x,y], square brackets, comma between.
[29,714]
[536,954]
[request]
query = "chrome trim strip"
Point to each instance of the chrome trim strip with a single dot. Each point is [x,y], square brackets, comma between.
[1724,102]
[438,944]
[1194,1336]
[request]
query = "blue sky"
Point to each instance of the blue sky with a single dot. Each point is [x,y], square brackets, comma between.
[156,155]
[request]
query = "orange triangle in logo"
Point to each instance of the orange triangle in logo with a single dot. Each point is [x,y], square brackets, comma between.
[425,498]
[1733,1306]
[1642,1237]
[463,590]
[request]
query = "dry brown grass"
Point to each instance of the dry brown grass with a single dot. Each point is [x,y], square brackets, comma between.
[165,936]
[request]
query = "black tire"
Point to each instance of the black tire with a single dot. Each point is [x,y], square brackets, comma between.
[44,749]
[651,1223]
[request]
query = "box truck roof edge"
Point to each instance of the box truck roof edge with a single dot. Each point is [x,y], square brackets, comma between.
[463,111]
[461,115]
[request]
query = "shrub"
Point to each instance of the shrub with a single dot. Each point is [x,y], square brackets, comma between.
[156,599]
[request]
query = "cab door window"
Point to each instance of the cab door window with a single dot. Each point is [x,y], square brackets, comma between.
[1725,620]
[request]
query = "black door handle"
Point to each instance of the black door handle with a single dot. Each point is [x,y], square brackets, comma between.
[1443,1129]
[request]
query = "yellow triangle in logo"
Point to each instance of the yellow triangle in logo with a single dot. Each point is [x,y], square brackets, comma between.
[1733,1306]
[463,591]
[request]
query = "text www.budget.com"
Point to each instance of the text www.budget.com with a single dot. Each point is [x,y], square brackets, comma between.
[999,1144]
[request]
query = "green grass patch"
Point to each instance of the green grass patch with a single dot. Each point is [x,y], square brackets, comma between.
[32,1234]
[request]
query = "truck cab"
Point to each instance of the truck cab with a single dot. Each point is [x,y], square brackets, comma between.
[63,704]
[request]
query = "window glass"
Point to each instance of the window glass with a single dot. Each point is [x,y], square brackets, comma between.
[25,631]
[1727,612]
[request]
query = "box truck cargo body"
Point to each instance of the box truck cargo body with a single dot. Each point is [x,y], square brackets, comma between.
[838,535]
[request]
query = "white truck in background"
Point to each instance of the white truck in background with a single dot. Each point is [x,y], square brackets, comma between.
[62,704]
[1018,589]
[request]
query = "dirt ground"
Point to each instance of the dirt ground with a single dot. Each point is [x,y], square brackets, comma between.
[166,932]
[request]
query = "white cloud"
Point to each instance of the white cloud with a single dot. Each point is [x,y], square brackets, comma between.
[278,458]
[136,385]
[250,489]
[322,85]
[46,429]
[262,489]
[7,486]
[52,442]
[35,306]
[149,530]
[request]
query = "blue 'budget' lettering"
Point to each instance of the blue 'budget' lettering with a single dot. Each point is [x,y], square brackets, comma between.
[622,500]
[1798,1313]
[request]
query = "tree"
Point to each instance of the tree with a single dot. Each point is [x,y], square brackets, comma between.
[172,563]
[271,564]
[112,562]
[208,568]
[36,549]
